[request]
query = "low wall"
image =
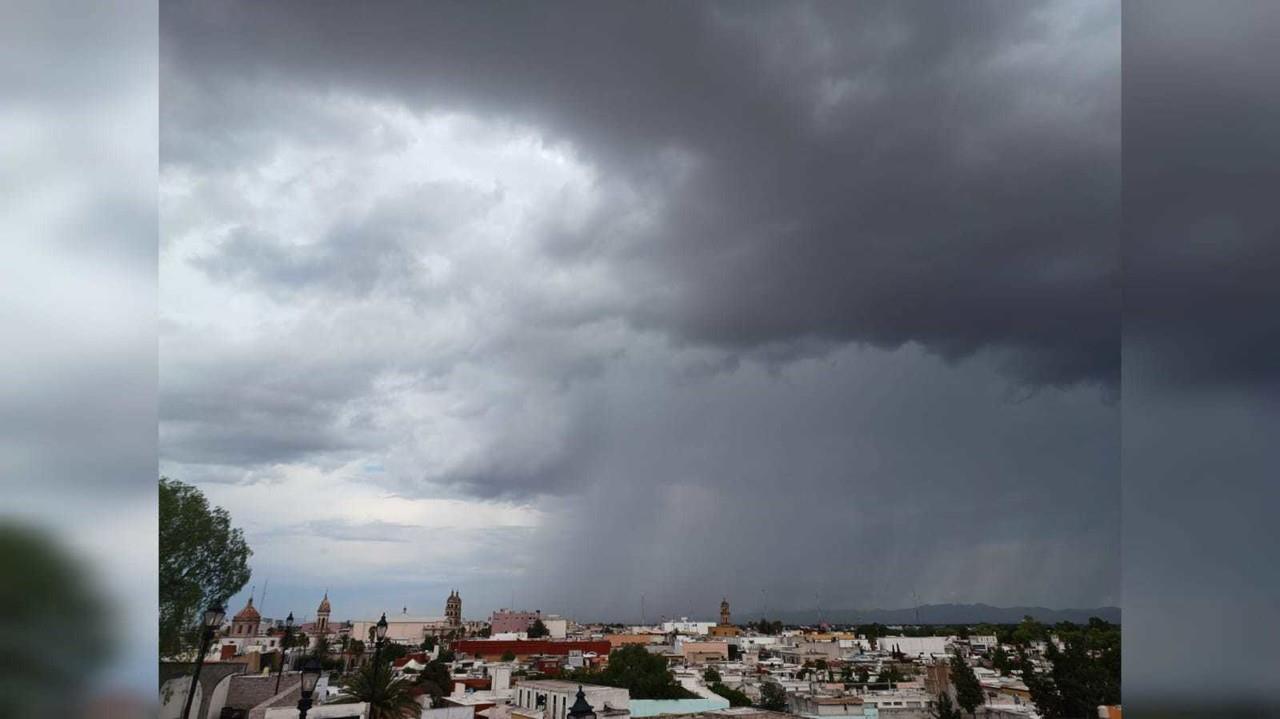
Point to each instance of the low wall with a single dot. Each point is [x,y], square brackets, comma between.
[657,707]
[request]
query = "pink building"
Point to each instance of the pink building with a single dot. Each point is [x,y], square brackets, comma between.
[505,620]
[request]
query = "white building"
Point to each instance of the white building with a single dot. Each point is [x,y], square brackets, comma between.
[983,642]
[751,643]
[557,626]
[812,706]
[915,646]
[684,626]
[551,699]
[899,704]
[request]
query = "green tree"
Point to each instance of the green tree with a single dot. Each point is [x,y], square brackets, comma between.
[1082,675]
[872,631]
[764,626]
[537,630]
[711,676]
[773,697]
[645,675]
[889,674]
[428,644]
[392,651]
[388,697]
[1028,631]
[320,650]
[735,697]
[203,561]
[508,656]
[436,681]
[944,709]
[1000,661]
[968,690]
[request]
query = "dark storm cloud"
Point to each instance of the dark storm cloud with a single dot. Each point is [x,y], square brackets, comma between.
[1202,336]
[1201,222]
[813,281]
[861,478]
[875,173]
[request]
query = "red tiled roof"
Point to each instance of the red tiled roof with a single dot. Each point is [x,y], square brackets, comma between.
[248,614]
[526,647]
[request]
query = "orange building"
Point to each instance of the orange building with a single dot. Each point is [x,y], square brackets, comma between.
[724,628]
[622,640]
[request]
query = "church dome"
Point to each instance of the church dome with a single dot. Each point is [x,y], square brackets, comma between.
[248,614]
[324,605]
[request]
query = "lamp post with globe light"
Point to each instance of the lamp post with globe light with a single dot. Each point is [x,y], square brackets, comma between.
[381,634]
[210,621]
[285,643]
[310,677]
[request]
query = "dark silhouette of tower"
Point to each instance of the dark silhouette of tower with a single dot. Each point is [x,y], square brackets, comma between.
[453,609]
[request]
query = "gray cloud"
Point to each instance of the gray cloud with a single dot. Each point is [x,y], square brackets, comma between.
[1200,375]
[805,209]
[723,291]
[368,253]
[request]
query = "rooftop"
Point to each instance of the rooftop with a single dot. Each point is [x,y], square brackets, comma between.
[557,685]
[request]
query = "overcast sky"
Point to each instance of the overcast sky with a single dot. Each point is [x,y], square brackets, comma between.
[798,304]
[1201,341]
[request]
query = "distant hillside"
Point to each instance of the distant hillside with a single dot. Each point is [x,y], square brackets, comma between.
[938,614]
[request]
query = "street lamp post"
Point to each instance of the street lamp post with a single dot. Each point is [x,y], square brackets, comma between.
[212,619]
[310,676]
[381,635]
[284,644]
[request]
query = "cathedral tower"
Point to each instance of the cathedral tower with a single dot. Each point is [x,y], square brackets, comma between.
[453,609]
[322,615]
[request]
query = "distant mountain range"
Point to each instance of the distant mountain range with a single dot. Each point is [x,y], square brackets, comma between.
[936,614]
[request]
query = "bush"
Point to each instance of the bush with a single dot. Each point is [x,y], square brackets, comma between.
[735,697]
[773,697]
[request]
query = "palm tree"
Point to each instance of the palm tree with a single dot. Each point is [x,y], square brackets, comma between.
[388,697]
[321,649]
